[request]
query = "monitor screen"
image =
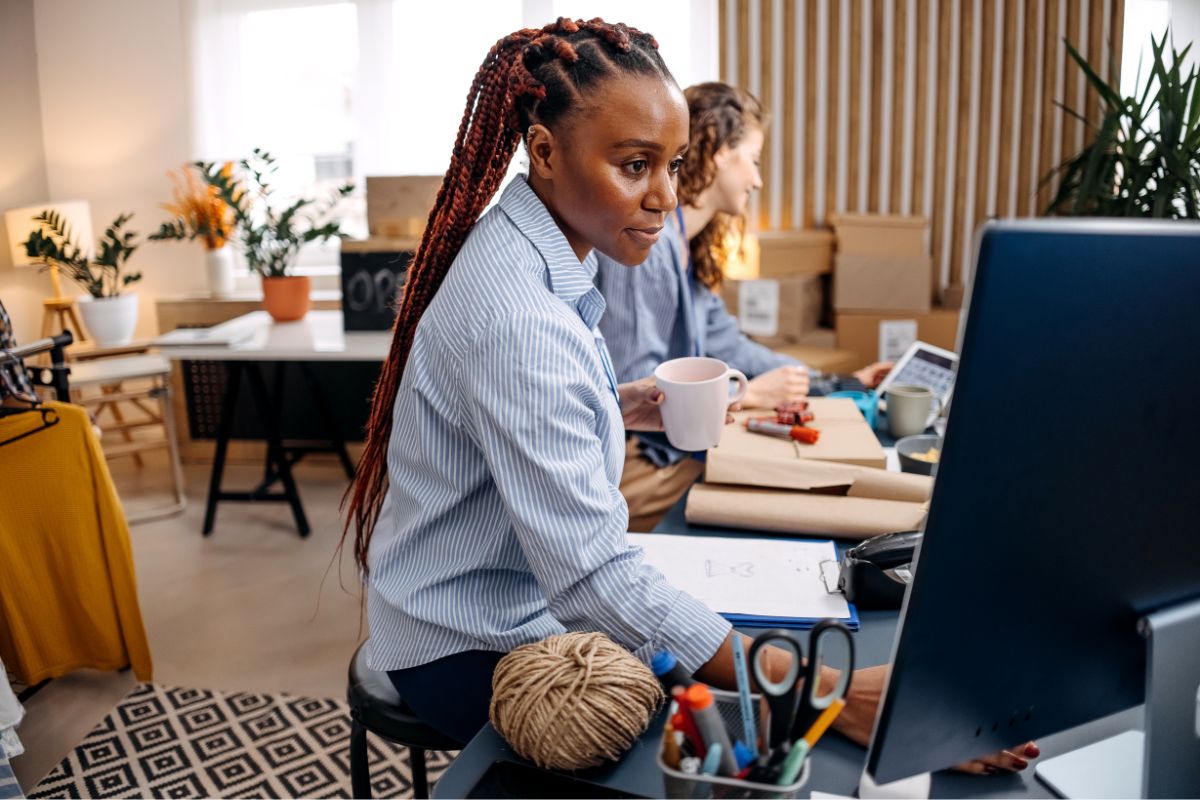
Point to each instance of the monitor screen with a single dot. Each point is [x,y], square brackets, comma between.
[1066,504]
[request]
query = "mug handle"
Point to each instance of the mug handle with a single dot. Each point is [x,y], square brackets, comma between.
[743,384]
[935,409]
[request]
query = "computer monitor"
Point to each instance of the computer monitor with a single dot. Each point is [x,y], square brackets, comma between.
[1066,507]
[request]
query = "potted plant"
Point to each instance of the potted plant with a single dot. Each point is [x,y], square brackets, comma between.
[1132,168]
[198,212]
[271,238]
[109,315]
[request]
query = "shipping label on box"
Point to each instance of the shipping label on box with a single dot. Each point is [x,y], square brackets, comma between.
[782,308]
[895,337]
[884,335]
[758,308]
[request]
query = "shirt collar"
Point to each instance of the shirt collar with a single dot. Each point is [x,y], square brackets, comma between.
[569,279]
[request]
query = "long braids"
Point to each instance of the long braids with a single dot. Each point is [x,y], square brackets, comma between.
[530,76]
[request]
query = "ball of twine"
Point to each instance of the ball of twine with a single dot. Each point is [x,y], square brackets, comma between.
[572,700]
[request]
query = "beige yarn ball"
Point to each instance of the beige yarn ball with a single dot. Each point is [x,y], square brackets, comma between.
[572,700]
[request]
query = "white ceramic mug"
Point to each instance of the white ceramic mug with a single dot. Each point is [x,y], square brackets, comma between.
[910,409]
[697,397]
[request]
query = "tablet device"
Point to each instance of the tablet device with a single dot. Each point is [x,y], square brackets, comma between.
[924,365]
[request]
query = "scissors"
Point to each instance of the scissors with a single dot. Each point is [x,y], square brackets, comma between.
[793,711]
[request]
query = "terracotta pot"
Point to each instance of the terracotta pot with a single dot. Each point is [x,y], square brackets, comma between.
[286,299]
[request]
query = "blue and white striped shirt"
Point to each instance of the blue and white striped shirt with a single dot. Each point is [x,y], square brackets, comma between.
[503,522]
[658,311]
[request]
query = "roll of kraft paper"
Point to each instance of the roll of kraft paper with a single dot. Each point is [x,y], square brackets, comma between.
[785,511]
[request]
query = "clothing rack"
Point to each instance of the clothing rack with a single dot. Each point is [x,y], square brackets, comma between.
[55,375]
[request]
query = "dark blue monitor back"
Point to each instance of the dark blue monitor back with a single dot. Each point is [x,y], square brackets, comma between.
[1067,501]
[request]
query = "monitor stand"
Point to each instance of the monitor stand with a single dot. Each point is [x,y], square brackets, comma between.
[1165,760]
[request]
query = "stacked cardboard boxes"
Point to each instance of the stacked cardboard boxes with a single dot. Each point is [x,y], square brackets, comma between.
[883,286]
[777,294]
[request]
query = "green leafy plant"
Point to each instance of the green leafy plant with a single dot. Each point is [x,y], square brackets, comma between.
[53,245]
[1131,168]
[270,238]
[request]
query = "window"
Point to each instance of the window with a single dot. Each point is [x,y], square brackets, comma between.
[337,91]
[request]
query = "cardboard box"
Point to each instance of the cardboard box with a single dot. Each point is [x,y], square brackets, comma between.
[881,234]
[787,253]
[779,309]
[821,338]
[826,359]
[399,206]
[953,296]
[885,335]
[882,282]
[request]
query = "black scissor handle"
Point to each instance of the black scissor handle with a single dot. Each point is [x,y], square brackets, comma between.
[811,703]
[779,695]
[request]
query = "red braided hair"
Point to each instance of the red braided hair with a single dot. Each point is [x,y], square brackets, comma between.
[530,76]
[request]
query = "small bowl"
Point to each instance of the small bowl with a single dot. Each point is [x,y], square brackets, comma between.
[921,443]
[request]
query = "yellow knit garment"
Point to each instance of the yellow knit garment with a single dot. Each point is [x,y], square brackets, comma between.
[68,599]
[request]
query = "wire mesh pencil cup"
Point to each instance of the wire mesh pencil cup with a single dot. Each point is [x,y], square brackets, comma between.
[684,785]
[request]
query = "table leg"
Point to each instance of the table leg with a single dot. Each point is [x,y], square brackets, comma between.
[233,376]
[329,418]
[275,451]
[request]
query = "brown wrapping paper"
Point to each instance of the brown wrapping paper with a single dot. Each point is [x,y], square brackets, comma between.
[836,487]
[800,512]
[845,438]
[779,470]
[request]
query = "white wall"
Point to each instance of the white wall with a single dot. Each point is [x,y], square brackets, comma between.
[115,117]
[22,159]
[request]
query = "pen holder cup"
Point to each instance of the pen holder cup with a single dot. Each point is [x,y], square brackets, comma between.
[678,784]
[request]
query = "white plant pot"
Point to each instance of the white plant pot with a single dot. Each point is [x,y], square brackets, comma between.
[110,320]
[219,268]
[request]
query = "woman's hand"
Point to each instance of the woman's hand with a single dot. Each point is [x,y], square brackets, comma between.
[780,385]
[862,704]
[641,402]
[871,375]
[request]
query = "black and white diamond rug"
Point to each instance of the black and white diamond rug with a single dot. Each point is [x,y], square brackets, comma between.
[168,742]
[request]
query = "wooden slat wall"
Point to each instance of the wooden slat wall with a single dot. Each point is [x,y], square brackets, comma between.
[944,108]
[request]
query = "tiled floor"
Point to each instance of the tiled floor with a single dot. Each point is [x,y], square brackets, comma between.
[253,607]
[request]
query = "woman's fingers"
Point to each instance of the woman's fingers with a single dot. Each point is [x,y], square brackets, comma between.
[1015,759]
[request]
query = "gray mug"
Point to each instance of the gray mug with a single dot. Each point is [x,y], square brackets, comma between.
[910,409]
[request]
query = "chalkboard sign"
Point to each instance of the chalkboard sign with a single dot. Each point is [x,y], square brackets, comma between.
[373,272]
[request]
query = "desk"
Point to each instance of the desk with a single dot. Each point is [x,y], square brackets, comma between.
[836,763]
[317,337]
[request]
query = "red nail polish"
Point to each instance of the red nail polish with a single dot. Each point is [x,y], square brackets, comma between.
[1020,763]
[989,769]
[1032,750]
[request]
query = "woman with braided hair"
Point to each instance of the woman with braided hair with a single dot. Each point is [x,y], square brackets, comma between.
[486,508]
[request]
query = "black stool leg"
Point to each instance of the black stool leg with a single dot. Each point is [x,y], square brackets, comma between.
[420,781]
[360,771]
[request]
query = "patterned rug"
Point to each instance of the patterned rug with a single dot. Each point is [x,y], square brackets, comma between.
[166,742]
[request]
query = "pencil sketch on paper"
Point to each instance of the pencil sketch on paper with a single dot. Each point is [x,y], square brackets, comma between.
[717,569]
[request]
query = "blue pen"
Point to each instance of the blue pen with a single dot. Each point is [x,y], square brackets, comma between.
[712,760]
[749,729]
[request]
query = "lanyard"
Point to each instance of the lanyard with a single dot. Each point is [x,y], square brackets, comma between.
[685,294]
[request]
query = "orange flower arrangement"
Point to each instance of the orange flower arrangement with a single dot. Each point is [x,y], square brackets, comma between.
[198,210]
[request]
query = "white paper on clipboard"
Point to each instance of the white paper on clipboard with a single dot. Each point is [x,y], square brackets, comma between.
[749,576]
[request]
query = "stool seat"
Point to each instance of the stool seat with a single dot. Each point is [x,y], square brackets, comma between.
[115,370]
[375,703]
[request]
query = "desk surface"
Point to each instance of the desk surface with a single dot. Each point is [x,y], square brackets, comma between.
[836,765]
[317,337]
